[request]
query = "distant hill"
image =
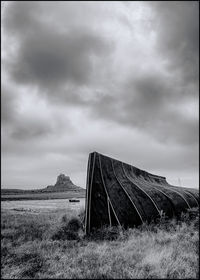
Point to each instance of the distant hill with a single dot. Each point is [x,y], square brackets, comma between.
[63,184]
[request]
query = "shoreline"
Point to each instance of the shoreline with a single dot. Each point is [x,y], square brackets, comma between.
[43,196]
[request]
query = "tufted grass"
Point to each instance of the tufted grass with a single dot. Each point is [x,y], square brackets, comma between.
[54,246]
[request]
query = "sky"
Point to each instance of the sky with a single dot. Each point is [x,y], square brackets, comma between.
[119,78]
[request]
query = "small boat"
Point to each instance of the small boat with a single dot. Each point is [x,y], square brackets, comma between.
[74,200]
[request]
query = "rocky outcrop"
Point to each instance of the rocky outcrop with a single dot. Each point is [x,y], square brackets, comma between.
[63,180]
[62,184]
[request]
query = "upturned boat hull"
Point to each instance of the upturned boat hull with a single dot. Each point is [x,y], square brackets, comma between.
[120,194]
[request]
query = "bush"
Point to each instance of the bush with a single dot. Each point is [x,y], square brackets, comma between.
[106,233]
[190,216]
[67,231]
[64,234]
[74,225]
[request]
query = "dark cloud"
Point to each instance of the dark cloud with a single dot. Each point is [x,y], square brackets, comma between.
[177,27]
[20,18]
[152,103]
[50,59]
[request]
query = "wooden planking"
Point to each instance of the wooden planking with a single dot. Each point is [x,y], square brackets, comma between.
[128,196]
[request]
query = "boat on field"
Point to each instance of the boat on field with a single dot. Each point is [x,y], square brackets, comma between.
[74,200]
[119,194]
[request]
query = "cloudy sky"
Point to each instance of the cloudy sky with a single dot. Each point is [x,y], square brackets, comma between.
[119,78]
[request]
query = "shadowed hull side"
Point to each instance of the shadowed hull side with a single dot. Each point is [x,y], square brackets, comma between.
[120,194]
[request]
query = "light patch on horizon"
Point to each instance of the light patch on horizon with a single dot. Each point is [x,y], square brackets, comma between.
[120,78]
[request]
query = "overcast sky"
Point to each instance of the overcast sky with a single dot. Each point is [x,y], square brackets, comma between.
[119,78]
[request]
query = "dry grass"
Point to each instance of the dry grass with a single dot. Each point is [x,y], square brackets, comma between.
[43,196]
[168,250]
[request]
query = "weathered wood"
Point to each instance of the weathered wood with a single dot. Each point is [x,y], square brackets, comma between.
[121,194]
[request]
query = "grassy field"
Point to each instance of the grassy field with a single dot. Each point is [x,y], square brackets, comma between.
[53,245]
[45,195]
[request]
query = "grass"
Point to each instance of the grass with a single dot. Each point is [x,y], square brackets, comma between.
[42,196]
[54,246]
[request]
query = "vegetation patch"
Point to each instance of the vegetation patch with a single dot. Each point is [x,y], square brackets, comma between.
[67,230]
[54,246]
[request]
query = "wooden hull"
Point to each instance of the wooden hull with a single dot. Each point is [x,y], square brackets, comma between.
[120,194]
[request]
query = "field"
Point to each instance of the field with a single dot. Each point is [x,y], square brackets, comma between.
[42,196]
[43,206]
[52,244]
